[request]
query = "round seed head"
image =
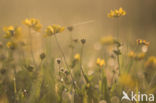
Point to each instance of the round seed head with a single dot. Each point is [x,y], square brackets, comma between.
[42,56]
[58,60]
[83,41]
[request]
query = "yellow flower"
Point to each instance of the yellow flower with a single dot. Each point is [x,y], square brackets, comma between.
[121,12]
[12,32]
[58,28]
[49,31]
[140,56]
[54,29]
[127,81]
[107,40]
[77,57]
[117,13]
[136,56]
[151,62]
[100,62]
[33,23]
[10,45]
[142,42]
[111,14]
[131,54]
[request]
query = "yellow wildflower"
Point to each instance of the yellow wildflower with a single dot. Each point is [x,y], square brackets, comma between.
[140,56]
[131,54]
[54,29]
[49,31]
[107,40]
[121,12]
[100,62]
[12,32]
[11,45]
[111,14]
[77,57]
[136,56]
[142,42]
[151,62]
[117,13]
[33,23]
[58,28]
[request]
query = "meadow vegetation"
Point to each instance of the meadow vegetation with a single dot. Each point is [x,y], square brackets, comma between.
[27,76]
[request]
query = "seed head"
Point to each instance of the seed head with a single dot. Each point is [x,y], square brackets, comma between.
[3,71]
[29,68]
[70,28]
[42,56]
[58,60]
[75,40]
[83,41]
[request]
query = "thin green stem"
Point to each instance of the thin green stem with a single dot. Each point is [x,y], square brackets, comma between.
[72,48]
[57,42]
[58,45]
[152,80]
[15,89]
[118,60]
[117,34]
[113,78]
[31,50]
[81,57]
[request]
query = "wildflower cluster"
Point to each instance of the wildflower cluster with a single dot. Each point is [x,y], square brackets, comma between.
[54,29]
[33,24]
[12,32]
[11,45]
[12,35]
[136,56]
[74,81]
[116,13]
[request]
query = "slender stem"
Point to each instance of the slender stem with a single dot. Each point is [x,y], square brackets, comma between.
[118,60]
[57,42]
[64,58]
[113,77]
[31,50]
[81,55]
[117,35]
[59,71]
[15,88]
[152,80]
[72,48]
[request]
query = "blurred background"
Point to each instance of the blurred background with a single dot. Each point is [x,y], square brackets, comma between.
[139,23]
